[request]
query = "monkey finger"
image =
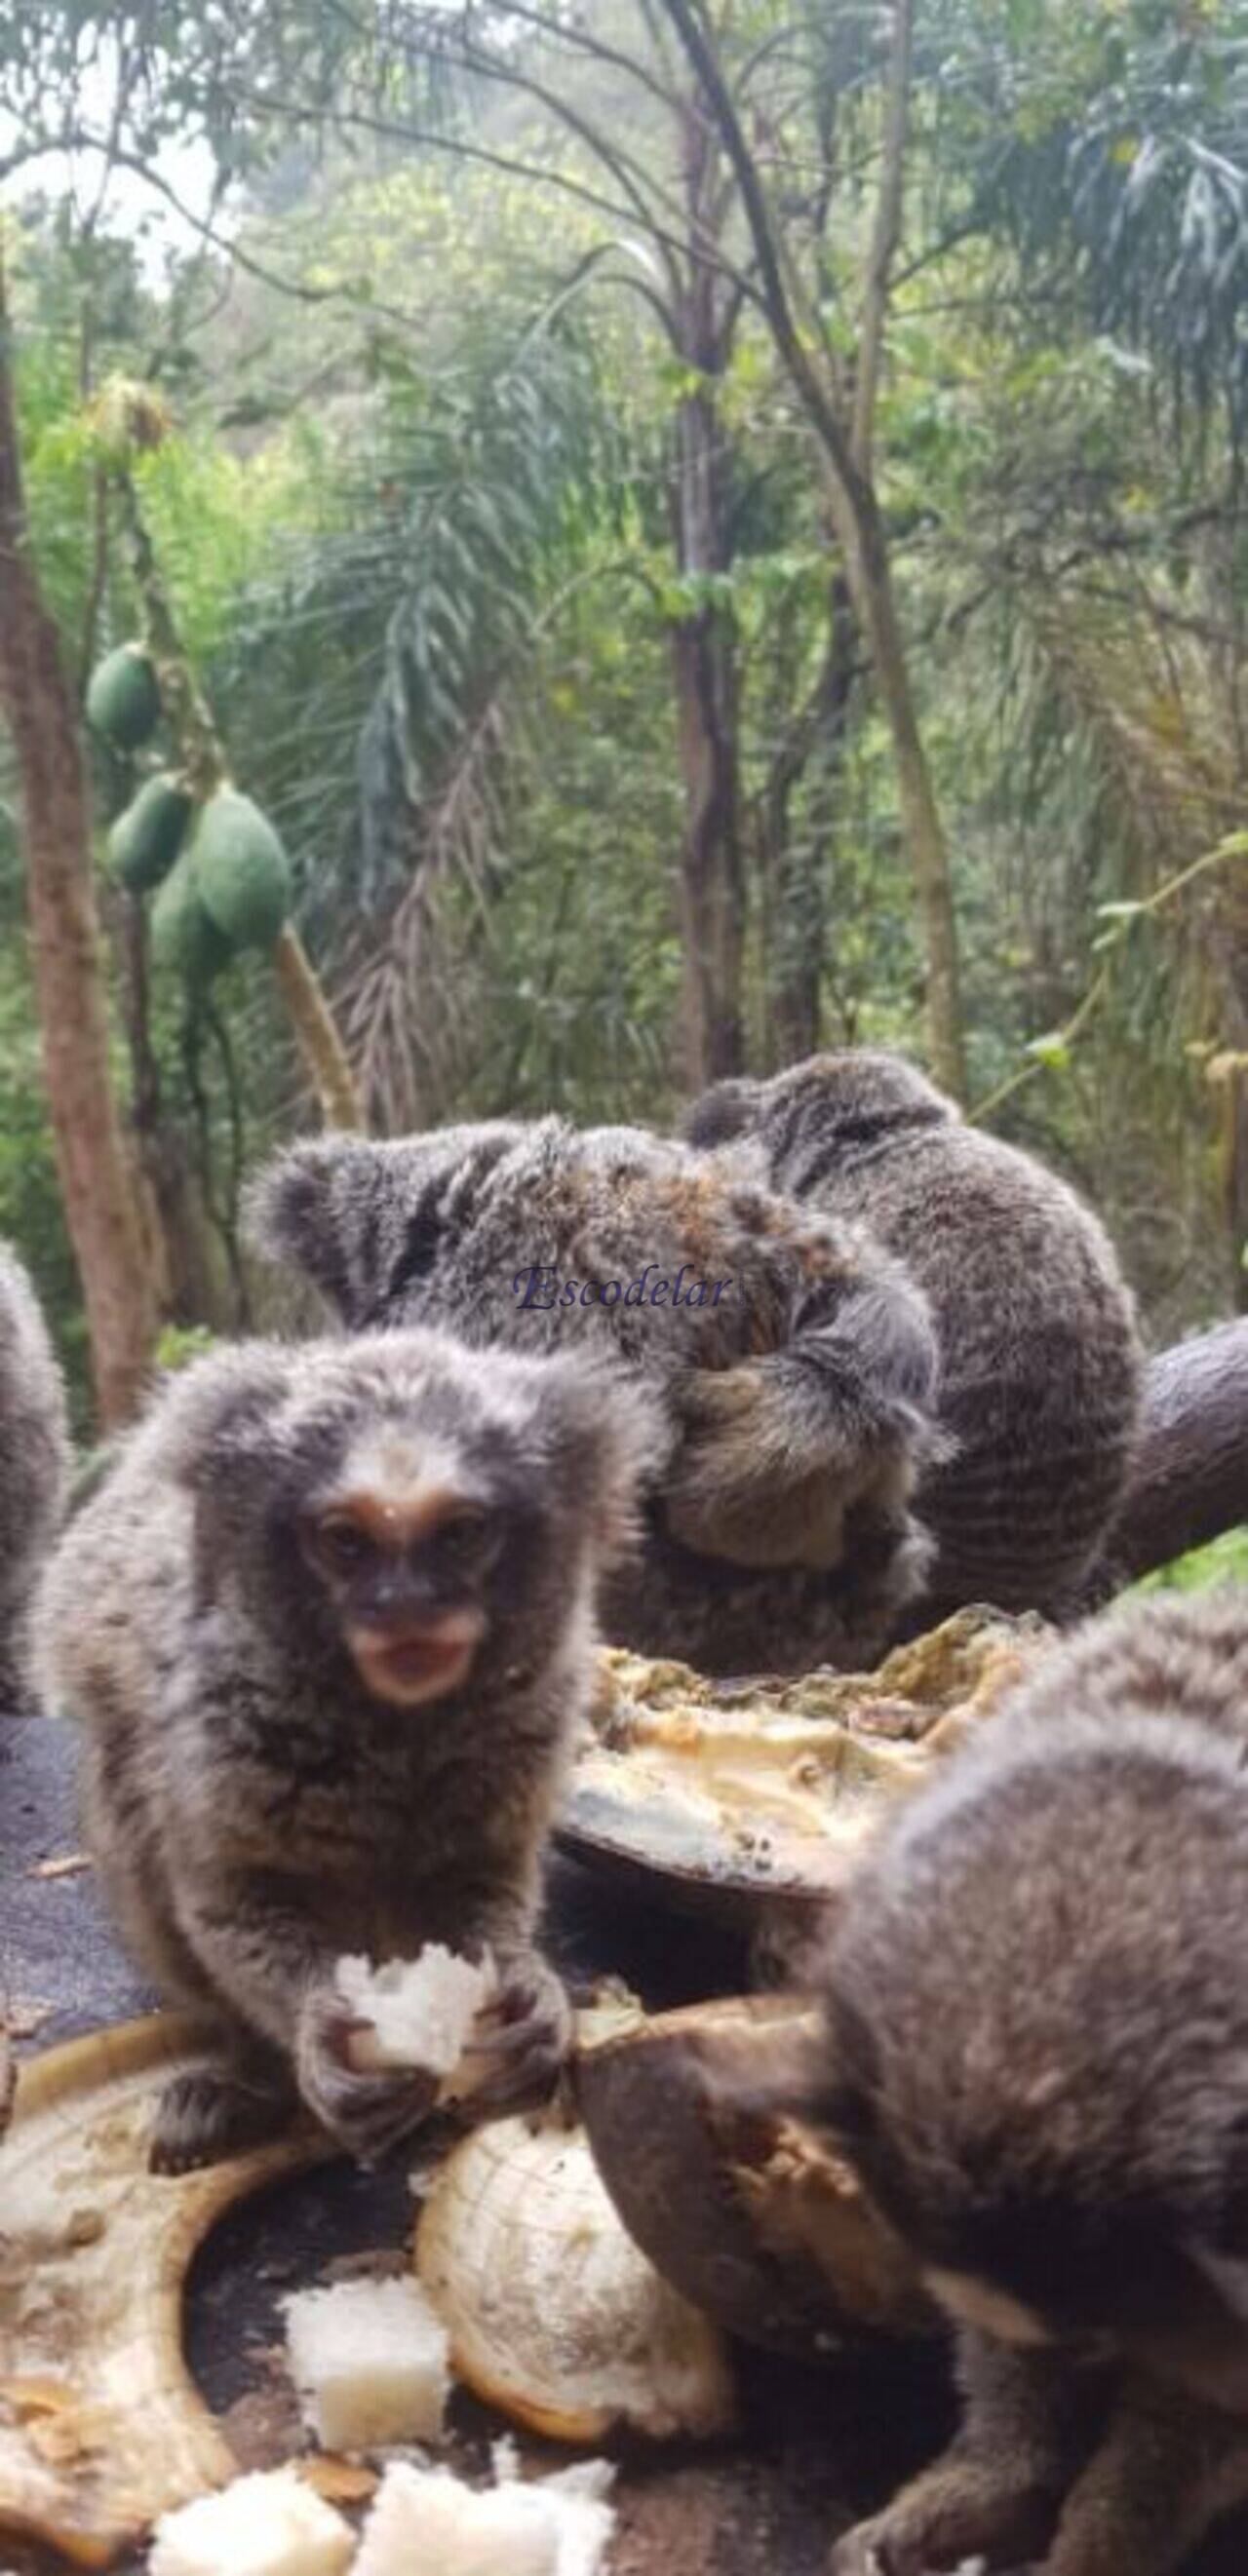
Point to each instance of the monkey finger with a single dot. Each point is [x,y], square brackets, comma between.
[948,2518]
[371,2133]
[332,2025]
[369,2114]
[869,2551]
[528,2060]
[530,1991]
[514,2038]
[526,2085]
[855,2555]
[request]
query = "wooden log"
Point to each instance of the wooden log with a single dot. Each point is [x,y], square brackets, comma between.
[1189,1481]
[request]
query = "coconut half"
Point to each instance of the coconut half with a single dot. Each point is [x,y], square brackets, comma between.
[554,2315]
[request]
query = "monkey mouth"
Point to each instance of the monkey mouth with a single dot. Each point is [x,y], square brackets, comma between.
[423,1664]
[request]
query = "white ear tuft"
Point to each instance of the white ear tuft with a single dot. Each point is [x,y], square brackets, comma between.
[311,1207]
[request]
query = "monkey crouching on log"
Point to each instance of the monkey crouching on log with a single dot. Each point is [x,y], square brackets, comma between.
[1039,1359]
[35,1478]
[329,1630]
[1037,2059]
[792,1360]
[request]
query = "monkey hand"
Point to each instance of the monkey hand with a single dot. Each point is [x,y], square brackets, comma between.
[370,2113]
[521,2042]
[963,2508]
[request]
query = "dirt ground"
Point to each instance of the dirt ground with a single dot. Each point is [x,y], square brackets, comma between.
[815,2450]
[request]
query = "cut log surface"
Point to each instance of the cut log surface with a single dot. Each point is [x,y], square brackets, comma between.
[1189,1481]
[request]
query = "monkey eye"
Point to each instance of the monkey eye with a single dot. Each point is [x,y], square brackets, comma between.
[467,1541]
[342,1545]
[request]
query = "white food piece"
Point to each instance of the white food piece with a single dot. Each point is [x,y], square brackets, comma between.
[269,2524]
[369,2359]
[425,2522]
[422,2010]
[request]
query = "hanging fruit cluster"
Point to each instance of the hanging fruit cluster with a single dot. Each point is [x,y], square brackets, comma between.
[218,870]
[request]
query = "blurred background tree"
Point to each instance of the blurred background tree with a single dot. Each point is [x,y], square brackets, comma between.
[498,521]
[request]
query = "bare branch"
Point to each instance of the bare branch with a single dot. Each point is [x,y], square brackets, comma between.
[536,173]
[635,180]
[592,46]
[79,139]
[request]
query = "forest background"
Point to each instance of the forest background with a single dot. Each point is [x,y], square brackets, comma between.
[712,527]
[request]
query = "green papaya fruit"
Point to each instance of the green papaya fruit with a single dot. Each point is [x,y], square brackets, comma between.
[123,697]
[185,938]
[146,839]
[241,869]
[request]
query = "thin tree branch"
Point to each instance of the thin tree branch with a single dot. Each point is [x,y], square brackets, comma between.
[80,139]
[537,174]
[635,180]
[1234,847]
[593,46]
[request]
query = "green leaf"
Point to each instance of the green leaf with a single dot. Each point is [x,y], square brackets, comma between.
[1052,1050]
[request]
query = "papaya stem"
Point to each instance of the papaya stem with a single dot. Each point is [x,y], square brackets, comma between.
[203,760]
[199,744]
[316,1031]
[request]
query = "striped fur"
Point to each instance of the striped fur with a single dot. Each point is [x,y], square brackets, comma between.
[1039,1359]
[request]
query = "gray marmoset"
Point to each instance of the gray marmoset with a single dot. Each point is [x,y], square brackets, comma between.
[1037,2026]
[1039,1361]
[793,1359]
[34,1482]
[328,1627]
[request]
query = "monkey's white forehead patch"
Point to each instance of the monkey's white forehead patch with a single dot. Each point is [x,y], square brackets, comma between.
[397,1467]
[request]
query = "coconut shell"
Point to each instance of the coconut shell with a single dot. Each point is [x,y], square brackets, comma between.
[753,2216]
[553,2313]
[101,2425]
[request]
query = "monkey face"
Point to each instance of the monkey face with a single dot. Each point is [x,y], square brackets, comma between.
[405,1511]
[406,1552]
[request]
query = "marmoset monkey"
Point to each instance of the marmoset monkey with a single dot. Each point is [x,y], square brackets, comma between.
[794,1360]
[1037,2020]
[1039,1361]
[36,1463]
[329,1629]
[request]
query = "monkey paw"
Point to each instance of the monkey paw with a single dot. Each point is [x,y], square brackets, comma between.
[956,2512]
[368,2114]
[213,2113]
[521,2042]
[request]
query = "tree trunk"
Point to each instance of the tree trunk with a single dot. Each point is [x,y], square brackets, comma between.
[792,872]
[704,660]
[101,1205]
[1189,1479]
[712,898]
[871,585]
[841,417]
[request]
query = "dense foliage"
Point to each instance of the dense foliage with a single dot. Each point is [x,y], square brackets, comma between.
[422,345]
